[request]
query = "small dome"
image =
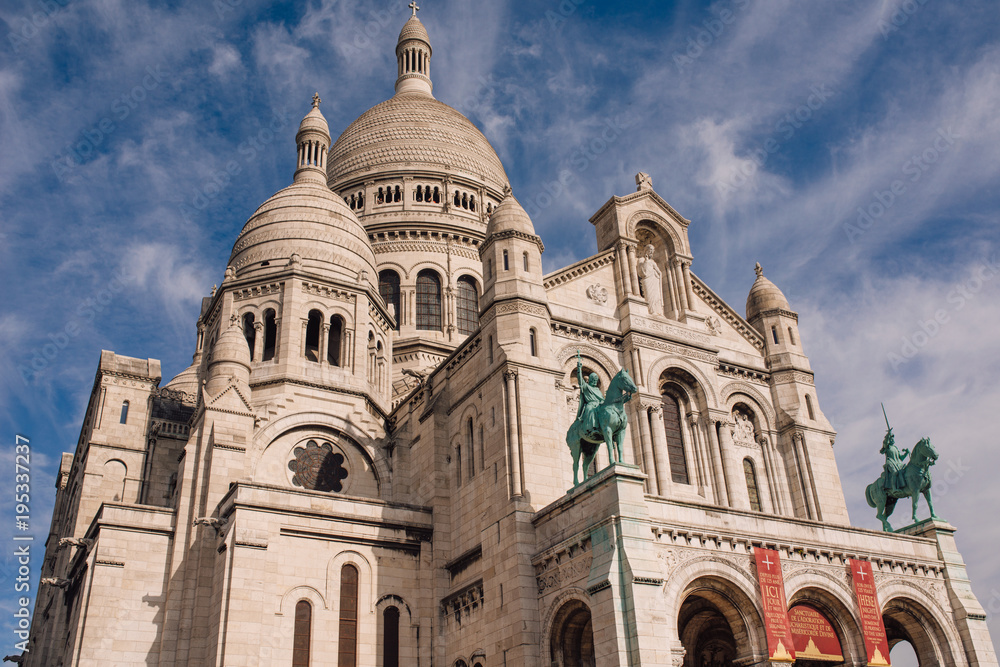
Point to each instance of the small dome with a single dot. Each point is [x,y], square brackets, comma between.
[314,121]
[231,347]
[186,381]
[414,29]
[764,296]
[509,216]
[308,220]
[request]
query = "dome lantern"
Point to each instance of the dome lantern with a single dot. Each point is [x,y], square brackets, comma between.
[313,140]
[413,57]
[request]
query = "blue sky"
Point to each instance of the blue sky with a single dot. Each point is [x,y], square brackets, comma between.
[851,148]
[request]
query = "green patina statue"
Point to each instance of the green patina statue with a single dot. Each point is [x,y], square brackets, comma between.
[599,418]
[902,480]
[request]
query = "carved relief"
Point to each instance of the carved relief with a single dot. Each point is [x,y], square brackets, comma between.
[743,433]
[598,294]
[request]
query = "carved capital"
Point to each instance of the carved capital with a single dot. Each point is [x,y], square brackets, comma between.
[798,437]
[654,408]
[510,374]
[258,326]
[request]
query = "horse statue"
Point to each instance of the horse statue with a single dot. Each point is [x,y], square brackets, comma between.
[909,481]
[599,419]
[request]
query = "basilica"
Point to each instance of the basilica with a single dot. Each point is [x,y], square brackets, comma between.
[367,461]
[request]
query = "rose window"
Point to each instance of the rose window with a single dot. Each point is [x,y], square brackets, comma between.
[318,468]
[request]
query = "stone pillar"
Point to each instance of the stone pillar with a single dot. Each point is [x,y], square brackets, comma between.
[721,472]
[772,479]
[324,337]
[621,261]
[648,466]
[633,273]
[258,341]
[673,310]
[804,477]
[704,470]
[277,338]
[690,459]
[515,442]
[663,479]
[739,497]
[686,274]
[681,292]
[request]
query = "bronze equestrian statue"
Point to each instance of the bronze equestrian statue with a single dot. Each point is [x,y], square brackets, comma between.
[599,418]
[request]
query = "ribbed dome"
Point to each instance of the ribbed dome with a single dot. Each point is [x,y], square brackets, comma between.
[305,219]
[414,131]
[315,121]
[509,215]
[764,296]
[414,29]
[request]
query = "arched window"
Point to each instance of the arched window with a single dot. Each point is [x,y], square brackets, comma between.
[303,631]
[347,642]
[809,407]
[437,196]
[506,263]
[333,343]
[532,344]
[471,441]
[467,305]
[418,195]
[472,203]
[270,334]
[458,465]
[791,336]
[489,267]
[482,448]
[774,334]
[390,637]
[675,444]
[380,197]
[124,419]
[388,288]
[751,475]
[248,331]
[489,350]
[458,199]
[428,301]
[313,327]
[397,195]
[525,256]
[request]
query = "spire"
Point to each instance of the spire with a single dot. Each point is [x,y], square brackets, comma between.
[413,57]
[313,140]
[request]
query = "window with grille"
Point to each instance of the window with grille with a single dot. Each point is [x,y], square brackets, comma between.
[347,643]
[388,289]
[467,305]
[675,443]
[428,301]
[751,475]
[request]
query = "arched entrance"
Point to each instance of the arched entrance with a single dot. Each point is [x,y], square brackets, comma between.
[572,640]
[907,620]
[705,633]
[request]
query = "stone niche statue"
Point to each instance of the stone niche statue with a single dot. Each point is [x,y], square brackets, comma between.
[902,480]
[652,281]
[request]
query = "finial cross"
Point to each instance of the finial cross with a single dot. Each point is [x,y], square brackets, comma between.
[316,100]
[413,6]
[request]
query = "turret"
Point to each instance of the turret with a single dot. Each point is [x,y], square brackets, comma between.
[413,57]
[313,140]
[769,313]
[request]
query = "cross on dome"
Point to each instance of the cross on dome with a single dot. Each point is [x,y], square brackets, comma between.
[414,7]
[316,100]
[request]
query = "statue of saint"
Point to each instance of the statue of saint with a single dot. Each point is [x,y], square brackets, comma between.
[652,281]
[894,460]
[590,398]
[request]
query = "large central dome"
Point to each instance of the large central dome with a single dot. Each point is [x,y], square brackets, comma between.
[414,130]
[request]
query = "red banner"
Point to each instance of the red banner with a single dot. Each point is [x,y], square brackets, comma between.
[876,643]
[813,635]
[780,645]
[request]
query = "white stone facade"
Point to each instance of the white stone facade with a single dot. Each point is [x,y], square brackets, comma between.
[346,476]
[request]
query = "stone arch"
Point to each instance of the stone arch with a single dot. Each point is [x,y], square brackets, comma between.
[910,613]
[568,636]
[757,402]
[831,596]
[114,479]
[728,588]
[407,640]
[366,580]
[658,222]
[320,422]
[397,267]
[566,357]
[271,303]
[287,601]
[668,361]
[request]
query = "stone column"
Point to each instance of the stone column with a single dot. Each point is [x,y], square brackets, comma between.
[686,274]
[739,497]
[324,336]
[804,481]
[721,473]
[302,348]
[515,442]
[681,292]
[258,341]
[690,458]
[772,479]
[632,272]
[277,338]
[648,466]
[663,479]
[621,261]
[673,310]
[704,469]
